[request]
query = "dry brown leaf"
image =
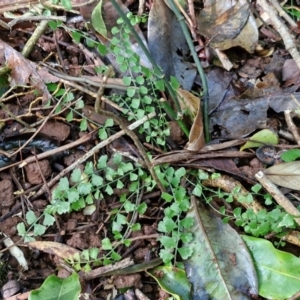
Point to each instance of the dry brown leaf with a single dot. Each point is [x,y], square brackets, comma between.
[196,137]
[189,103]
[23,71]
[285,174]
[61,250]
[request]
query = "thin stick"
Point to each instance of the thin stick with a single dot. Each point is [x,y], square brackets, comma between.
[283,14]
[40,29]
[291,126]
[36,18]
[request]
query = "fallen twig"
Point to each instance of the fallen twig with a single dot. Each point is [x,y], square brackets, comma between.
[278,196]
[291,126]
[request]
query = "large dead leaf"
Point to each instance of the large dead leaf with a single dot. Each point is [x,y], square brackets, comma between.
[238,118]
[221,266]
[228,24]
[23,71]
[285,174]
[168,45]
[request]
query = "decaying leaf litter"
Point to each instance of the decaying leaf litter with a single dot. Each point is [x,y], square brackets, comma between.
[50,127]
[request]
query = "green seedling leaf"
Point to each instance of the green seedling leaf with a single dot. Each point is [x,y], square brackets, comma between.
[197,191]
[76,175]
[102,134]
[121,219]
[79,104]
[120,184]
[97,20]
[127,243]
[166,225]
[85,255]
[186,238]
[126,80]
[89,199]
[84,188]
[141,209]
[106,244]
[135,227]
[21,229]
[55,288]
[173,281]
[102,161]
[63,184]
[131,92]
[102,49]
[135,103]
[167,197]
[115,256]
[174,83]
[140,80]
[290,155]
[168,242]
[39,229]
[90,43]
[72,195]
[160,85]
[66,4]
[109,190]
[129,207]
[287,221]
[76,36]
[48,220]
[97,180]
[88,170]
[185,252]
[70,116]
[94,253]
[133,177]
[278,272]
[143,90]
[166,256]
[30,217]
[263,137]
[53,25]
[83,125]
[187,222]
[256,188]
[120,59]
[109,123]
[115,30]
[68,97]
